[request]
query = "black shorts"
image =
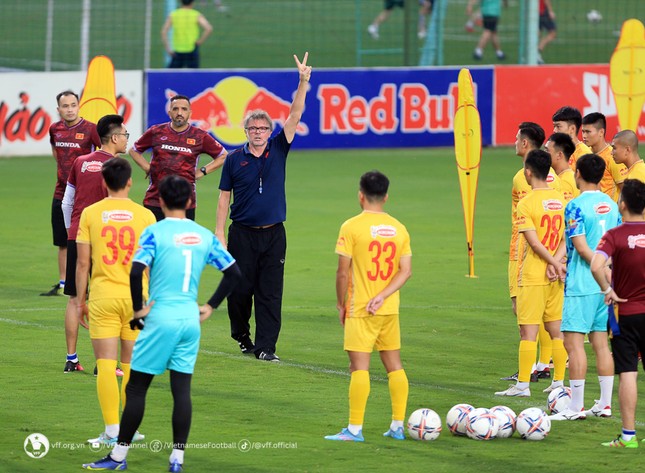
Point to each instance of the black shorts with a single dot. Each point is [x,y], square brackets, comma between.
[158,213]
[490,23]
[547,23]
[629,343]
[70,274]
[390,4]
[58,224]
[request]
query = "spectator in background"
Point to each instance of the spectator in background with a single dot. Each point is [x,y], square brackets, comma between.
[491,11]
[186,39]
[425,8]
[547,24]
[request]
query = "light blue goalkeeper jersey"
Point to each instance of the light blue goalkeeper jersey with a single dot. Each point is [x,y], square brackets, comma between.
[591,214]
[176,251]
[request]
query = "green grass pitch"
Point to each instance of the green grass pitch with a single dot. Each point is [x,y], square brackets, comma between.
[459,336]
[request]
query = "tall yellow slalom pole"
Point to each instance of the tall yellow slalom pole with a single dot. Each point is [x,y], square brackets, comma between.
[627,74]
[99,93]
[468,151]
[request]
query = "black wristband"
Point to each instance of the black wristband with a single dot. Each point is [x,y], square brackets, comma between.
[203,170]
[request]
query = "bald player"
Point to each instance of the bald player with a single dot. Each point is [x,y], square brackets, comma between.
[625,151]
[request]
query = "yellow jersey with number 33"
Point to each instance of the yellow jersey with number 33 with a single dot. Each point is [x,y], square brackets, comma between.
[375,242]
[112,227]
[543,211]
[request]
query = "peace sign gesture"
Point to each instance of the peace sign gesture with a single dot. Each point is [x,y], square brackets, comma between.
[303,68]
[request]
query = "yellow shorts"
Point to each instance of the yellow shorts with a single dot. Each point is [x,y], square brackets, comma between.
[363,334]
[536,304]
[110,318]
[512,278]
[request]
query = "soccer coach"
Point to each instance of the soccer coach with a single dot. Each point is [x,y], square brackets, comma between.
[255,175]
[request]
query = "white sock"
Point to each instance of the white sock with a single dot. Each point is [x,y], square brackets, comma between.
[112,430]
[119,452]
[355,429]
[541,366]
[606,388]
[177,455]
[522,386]
[577,394]
[478,51]
[396,424]
[557,384]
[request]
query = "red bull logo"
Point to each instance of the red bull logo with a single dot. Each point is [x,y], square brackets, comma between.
[221,109]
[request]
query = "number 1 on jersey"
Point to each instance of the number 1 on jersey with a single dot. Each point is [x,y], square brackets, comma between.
[188,269]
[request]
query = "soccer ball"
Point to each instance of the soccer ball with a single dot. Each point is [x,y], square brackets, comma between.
[481,424]
[559,399]
[533,424]
[456,418]
[424,424]
[594,16]
[506,418]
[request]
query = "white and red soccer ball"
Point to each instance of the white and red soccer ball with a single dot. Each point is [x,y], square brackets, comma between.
[481,424]
[533,424]
[507,421]
[424,424]
[559,399]
[456,418]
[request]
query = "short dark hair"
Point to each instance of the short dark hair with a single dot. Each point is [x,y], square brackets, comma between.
[175,192]
[591,167]
[538,162]
[116,172]
[374,185]
[570,115]
[179,97]
[187,2]
[107,125]
[65,93]
[596,119]
[633,194]
[564,143]
[532,132]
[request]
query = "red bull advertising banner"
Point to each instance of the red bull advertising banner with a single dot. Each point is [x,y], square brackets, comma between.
[357,108]
[535,93]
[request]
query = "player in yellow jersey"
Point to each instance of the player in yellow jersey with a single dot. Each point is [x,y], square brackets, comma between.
[625,151]
[374,262]
[594,128]
[107,240]
[529,136]
[560,146]
[540,220]
[569,120]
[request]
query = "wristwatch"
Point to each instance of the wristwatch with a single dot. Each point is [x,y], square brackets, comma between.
[203,170]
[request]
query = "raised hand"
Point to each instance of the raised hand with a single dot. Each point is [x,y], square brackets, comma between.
[303,69]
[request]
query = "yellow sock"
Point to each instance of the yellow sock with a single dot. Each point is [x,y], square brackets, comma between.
[559,359]
[125,367]
[546,347]
[107,388]
[359,390]
[527,353]
[398,384]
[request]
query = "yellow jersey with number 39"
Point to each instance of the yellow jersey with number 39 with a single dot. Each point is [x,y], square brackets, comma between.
[112,228]
[375,242]
[543,211]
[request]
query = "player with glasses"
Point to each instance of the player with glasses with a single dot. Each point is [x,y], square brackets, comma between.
[255,176]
